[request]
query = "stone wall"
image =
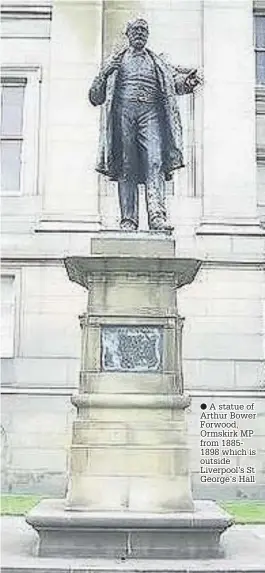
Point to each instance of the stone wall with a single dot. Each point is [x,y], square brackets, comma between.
[36,435]
[213,205]
[223,362]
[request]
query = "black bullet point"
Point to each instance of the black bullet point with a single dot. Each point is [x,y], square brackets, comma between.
[203,406]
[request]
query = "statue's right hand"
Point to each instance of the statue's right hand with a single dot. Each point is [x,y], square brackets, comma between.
[111,65]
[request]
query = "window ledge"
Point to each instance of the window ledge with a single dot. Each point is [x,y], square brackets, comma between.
[22,71]
[30,11]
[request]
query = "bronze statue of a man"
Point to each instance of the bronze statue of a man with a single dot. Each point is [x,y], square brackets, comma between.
[141,135]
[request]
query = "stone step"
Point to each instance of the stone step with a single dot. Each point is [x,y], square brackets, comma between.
[72,566]
[244,549]
[129,534]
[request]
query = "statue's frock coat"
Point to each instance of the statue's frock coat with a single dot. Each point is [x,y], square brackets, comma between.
[103,91]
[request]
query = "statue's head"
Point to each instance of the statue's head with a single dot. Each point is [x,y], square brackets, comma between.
[137,32]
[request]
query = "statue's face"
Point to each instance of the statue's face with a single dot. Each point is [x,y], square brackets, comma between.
[138,35]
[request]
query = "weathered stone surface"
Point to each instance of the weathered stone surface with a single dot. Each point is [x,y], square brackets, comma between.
[132,535]
[243,546]
[134,348]
[78,268]
[124,243]
[131,326]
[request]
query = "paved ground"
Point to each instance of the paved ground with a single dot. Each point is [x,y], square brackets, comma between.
[244,545]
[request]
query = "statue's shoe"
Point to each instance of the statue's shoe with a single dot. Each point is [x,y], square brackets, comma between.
[161,226]
[128,226]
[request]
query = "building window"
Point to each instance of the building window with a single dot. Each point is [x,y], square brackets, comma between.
[19,134]
[260,48]
[7,315]
[12,107]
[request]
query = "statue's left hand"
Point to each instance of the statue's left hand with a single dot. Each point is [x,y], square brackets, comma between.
[193,79]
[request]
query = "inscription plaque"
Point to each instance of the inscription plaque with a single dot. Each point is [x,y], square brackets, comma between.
[132,348]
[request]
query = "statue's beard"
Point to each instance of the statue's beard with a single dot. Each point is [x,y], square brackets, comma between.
[138,43]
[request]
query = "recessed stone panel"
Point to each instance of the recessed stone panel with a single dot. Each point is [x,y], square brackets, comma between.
[131,348]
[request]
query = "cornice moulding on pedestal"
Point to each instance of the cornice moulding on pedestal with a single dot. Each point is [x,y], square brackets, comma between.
[146,401]
[79,269]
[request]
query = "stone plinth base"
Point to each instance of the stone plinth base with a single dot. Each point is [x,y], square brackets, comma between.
[83,534]
[129,451]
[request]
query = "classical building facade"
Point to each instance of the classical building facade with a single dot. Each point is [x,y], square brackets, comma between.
[53,202]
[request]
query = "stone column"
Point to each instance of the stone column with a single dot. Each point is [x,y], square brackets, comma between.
[229,113]
[115,17]
[70,198]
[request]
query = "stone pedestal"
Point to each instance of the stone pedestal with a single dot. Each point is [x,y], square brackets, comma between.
[129,535]
[129,491]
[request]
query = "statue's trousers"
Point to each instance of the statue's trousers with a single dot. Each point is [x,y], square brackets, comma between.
[140,140]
